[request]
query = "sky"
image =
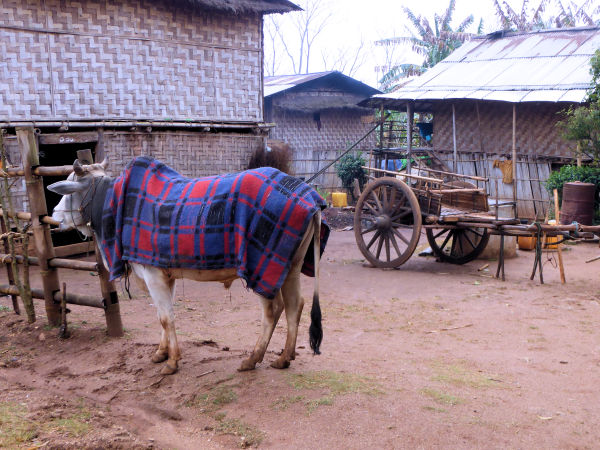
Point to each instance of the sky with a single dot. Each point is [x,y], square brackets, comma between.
[355,21]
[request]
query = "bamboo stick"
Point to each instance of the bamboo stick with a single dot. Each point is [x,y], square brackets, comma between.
[61,263]
[23,215]
[73,299]
[41,171]
[561,267]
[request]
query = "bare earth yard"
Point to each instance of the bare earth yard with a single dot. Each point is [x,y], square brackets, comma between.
[427,356]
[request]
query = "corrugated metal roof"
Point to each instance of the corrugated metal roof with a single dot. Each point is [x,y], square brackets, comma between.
[540,66]
[279,83]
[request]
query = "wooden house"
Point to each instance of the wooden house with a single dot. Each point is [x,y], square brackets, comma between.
[499,97]
[317,116]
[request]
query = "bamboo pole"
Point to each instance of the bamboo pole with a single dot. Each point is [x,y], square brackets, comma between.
[23,215]
[41,231]
[23,287]
[561,267]
[409,126]
[72,299]
[514,157]
[455,153]
[61,263]
[9,269]
[41,171]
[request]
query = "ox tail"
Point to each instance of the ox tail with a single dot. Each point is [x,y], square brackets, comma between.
[315,332]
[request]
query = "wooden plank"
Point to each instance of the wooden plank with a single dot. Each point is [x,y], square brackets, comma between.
[68,138]
[74,249]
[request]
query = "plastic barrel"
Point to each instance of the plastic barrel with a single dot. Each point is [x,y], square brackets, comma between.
[577,203]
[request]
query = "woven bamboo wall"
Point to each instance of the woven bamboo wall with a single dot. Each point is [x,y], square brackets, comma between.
[313,148]
[532,197]
[191,154]
[133,59]
[537,133]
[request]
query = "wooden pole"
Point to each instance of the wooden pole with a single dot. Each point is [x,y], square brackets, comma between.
[514,157]
[455,168]
[561,267]
[409,127]
[112,311]
[41,231]
[72,299]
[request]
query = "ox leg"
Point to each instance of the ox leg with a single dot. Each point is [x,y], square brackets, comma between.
[162,289]
[272,309]
[293,303]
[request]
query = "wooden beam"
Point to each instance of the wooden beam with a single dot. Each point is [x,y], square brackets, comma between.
[68,138]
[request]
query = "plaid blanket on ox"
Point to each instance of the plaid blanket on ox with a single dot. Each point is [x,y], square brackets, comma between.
[252,221]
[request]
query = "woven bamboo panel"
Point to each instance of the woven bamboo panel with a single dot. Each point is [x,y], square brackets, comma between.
[532,196]
[191,154]
[537,133]
[127,60]
[313,148]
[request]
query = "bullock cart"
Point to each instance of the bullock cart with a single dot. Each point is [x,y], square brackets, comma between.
[453,210]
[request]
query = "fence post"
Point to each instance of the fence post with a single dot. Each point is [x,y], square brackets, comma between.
[44,249]
[112,311]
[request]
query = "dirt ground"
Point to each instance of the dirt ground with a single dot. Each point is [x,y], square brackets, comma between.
[427,356]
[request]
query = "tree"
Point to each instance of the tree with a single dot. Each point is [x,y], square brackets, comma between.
[433,43]
[307,25]
[569,15]
[582,124]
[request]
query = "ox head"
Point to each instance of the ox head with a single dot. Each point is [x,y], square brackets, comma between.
[77,194]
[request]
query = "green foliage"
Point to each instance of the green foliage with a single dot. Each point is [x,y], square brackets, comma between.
[567,174]
[582,124]
[349,167]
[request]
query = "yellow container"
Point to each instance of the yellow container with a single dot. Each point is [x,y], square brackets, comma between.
[339,199]
[551,241]
[526,242]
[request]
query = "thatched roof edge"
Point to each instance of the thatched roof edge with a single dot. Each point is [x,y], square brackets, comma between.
[244,6]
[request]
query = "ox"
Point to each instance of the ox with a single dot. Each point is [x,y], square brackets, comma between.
[143,230]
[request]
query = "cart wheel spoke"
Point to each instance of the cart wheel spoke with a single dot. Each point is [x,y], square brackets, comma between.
[402,215]
[373,210]
[387,246]
[373,239]
[439,234]
[384,198]
[392,200]
[395,244]
[377,202]
[370,229]
[466,234]
[402,238]
[380,245]
[464,246]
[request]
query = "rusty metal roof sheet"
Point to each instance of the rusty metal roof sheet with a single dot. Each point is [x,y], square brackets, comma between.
[540,66]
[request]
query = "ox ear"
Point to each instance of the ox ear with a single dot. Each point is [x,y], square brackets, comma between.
[67,187]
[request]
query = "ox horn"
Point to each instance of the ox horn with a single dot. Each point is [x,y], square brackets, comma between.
[104,163]
[79,169]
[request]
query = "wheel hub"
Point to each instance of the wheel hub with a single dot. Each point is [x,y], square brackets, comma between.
[383,222]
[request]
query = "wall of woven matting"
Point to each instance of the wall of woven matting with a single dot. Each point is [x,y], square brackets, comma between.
[313,148]
[537,133]
[133,59]
[191,154]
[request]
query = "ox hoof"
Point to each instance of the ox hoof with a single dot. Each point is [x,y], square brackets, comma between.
[159,357]
[169,369]
[247,364]
[280,364]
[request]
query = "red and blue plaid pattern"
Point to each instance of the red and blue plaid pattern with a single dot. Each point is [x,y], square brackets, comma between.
[252,221]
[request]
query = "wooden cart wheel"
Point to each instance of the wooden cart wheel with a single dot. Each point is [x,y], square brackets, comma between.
[387,222]
[457,245]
